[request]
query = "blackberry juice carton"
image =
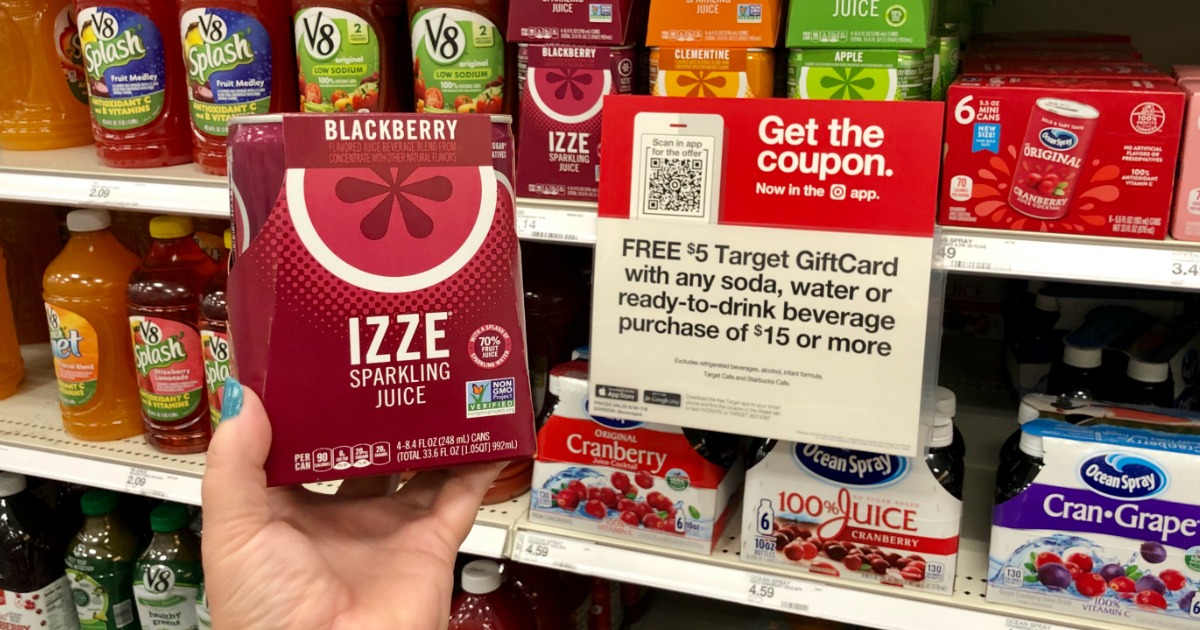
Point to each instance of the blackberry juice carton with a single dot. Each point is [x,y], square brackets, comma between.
[654,483]
[1053,154]
[603,22]
[374,293]
[561,110]
[1103,522]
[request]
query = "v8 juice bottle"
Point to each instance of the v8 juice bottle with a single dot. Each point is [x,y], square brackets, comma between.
[168,574]
[238,58]
[12,366]
[44,101]
[34,591]
[459,60]
[164,306]
[345,50]
[134,68]
[214,335]
[84,290]
[100,565]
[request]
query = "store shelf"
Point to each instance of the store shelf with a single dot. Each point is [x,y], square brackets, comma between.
[76,178]
[33,442]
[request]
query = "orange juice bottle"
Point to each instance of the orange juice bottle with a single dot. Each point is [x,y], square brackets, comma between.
[84,289]
[12,366]
[44,102]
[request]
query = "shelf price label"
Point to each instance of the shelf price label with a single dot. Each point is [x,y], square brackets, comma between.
[150,483]
[553,224]
[549,551]
[759,262]
[770,591]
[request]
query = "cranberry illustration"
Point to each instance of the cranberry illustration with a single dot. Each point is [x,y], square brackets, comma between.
[781,540]
[802,533]
[1033,180]
[810,550]
[1152,599]
[794,551]
[1081,560]
[1111,572]
[643,509]
[595,508]
[35,597]
[608,497]
[658,501]
[1045,558]
[913,556]
[915,571]
[620,481]
[652,521]
[1153,552]
[824,568]
[1150,582]
[29,605]
[577,487]
[567,499]
[1185,602]
[629,517]
[626,505]
[853,562]
[1046,187]
[849,545]
[1090,585]
[593,493]
[874,557]
[1122,585]
[880,566]
[1073,569]
[785,535]
[1173,579]
[644,479]
[1051,177]
[1054,575]
[835,551]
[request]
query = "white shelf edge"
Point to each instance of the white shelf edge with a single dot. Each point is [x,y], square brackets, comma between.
[100,474]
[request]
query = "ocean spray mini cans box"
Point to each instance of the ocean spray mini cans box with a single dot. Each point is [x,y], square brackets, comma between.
[561,109]
[1185,223]
[1074,156]
[375,300]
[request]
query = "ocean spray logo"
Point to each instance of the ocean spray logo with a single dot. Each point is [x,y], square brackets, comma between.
[1123,477]
[1058,139]
[494,397]
[850,468]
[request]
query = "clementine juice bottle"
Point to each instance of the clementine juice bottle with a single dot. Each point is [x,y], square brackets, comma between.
[44,102]
[239,61]
[84,291]
[12,366]
[164,307]
[346,50]
[133,61]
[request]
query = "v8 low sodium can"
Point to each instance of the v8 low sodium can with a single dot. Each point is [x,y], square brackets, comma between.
[1052,154]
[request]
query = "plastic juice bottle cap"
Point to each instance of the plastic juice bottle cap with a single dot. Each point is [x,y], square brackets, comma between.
[1027,413]
[169,517]
[88,220]
[941,436]
[98,502]
[228,239]
[1032,445]
[11,484]
[480,577]
[1047,303]
[1146,372]
[171,227]
[1084,358]
[1035,286]
[942,420]
[946,401]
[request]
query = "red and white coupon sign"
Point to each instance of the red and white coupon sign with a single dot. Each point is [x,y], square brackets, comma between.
[763,267]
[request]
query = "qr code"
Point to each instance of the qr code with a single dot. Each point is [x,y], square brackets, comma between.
[675,186]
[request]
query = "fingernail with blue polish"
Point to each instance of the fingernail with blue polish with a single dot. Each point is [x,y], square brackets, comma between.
[232,405]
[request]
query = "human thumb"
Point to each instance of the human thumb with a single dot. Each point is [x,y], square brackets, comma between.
[234,492]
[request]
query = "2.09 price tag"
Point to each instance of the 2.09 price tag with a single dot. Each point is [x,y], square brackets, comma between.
[150,483]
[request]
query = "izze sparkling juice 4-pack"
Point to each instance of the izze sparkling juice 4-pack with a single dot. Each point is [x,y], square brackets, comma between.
[375,296]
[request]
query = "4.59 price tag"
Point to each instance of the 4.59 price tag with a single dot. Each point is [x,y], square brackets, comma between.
[782,593]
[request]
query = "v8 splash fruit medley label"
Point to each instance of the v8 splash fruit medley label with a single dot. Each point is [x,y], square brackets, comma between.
[458,62]
[339,58]
[76,350]
[1109,529]
[70,52]
[51,608]
[170,367]
[103,592]
[624,478]
[228,59]
[851,514]
[126,68]
[166,594]
[217,361]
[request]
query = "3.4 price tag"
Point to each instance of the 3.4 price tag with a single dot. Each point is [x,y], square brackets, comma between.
[778,592]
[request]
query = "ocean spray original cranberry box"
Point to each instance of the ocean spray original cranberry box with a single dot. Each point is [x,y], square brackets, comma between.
[654,483]
[375,299]
[850,514]
[1072,156]
[561,101]
[1109,528]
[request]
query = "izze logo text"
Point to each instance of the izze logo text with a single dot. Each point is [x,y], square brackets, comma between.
[1058,139]
[1123,477]
[370,332]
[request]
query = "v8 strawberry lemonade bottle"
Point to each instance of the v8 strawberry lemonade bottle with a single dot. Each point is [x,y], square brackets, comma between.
[214,335]
[164,306]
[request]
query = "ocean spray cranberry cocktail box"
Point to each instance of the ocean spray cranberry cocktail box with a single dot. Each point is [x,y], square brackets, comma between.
[1074,156]
[375,294]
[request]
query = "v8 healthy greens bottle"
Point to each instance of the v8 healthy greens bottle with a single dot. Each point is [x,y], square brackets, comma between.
[168,575]
[459,61]
[100,566]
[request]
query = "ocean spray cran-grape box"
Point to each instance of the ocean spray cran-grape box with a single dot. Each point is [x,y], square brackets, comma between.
[375,295]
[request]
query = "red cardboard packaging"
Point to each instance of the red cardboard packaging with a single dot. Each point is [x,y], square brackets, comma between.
[606,22]
[374,292]
[1062,68]
[1071,156]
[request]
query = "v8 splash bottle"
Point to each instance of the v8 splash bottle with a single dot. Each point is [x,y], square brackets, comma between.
[164,306]
[238,59]
[134,67]
[459,56]
[214,335]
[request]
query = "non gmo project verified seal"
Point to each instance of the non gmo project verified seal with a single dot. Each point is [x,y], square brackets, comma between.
[496,397]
